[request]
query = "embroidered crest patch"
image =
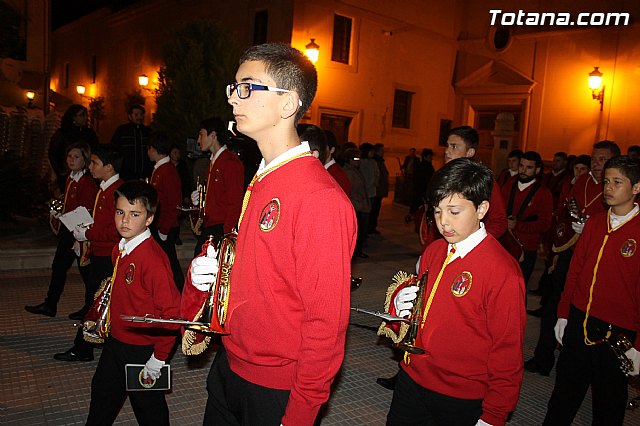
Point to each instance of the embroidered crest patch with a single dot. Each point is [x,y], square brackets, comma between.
[560,230]
[628,248]
[129,275]
[270,215]
[461,284]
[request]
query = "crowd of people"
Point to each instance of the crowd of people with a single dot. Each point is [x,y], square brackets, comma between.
[296,228]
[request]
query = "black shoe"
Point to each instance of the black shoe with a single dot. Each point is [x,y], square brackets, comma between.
[78,315]
[362,255]
[535,312]
[41,309]
[533,367]
[389,383]
[70,356]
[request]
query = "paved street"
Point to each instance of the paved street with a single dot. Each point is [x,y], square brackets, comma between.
[37,390]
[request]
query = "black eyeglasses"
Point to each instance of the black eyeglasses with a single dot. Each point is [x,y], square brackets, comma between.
[243,90]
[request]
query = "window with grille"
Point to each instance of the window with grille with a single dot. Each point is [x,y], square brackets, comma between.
[402,109]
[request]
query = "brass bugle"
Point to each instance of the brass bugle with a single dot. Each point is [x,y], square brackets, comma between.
[408,344]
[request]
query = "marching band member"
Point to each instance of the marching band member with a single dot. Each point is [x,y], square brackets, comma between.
[166,180]
[472,318]
[142,285]
[103,236]
[80,190]
[599,303]
[292,266]
[587,193]
[224,185]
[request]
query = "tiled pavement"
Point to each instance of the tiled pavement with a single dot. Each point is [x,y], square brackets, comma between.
[37,390]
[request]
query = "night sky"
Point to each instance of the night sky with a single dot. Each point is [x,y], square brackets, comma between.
[66,11]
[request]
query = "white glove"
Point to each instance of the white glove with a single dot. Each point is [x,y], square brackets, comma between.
[634,356]
[152,368]
[79,233]
[76,248]
[195,197]
[559,329]
[404,300]
[162,236]
[482,423]
[204,270]
[577,227]
[56,214]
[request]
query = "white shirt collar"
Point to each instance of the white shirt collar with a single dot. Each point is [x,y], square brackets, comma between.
[77,175]
[513,172]
[129,246]
[592,177]
[215,156]
[282,158]
[523,186]
[107,183]
[330,163]
[616,220]
[558,172]
[465,246]
[160,162]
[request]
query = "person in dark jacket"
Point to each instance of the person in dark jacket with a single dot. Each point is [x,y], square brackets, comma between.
[73,129]
[132,140]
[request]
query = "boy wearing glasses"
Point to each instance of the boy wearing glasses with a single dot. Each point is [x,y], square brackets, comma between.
[291,275]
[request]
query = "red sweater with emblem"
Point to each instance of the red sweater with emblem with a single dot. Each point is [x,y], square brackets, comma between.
[536,218]
[166,180]
[290,280]
[80,193]
[473,341]
[225,191]
[103,234]
[616,292]
[341,177]
[144,285]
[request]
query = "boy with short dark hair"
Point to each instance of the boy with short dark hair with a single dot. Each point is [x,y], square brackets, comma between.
[103,236]
[297,229]
[142,285]
[472,319]
[600,303]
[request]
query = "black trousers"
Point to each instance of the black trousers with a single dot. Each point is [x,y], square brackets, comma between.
[580,366]
[62,261]
[101,268]
[216,231]
[108,387]
[544,352]
[363,224]
[527,265]
[169,247]
[376,204]
[235,401]
[414,405]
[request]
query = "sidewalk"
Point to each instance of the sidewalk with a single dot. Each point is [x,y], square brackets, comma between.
[37,390]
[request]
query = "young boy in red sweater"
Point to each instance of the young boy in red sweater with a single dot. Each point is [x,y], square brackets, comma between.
[142,285]
[103,237]
[292,269]
[600,303]
[472,319]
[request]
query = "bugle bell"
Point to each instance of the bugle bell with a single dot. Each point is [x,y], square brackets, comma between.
[620,346]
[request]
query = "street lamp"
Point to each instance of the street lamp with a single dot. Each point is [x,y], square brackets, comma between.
[143,80]
[81,89]
[595,84]
[30,96]
[312,51]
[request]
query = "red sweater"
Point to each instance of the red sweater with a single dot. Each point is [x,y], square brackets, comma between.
[150,290]
[225,191]
[556,184]
[103,234]
[290,281]
[80,193]
[166,180]
[341,177]
[536,218]
[616,292]
[474,342]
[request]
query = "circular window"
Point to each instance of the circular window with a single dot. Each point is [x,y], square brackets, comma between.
[499,38]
